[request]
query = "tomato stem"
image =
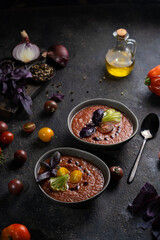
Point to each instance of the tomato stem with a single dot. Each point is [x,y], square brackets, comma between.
[147,81]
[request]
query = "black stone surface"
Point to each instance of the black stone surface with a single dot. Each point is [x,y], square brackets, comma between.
[87,33]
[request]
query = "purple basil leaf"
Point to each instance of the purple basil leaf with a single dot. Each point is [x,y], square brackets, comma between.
[45,166]
[55,159]
[145,224]
[14,84]
[153,208]
[146,194]
[156,227]
[7,68]
[54,172]
[87,131]
[97,116]
[4,87]
[43,176]
[91,124]
[26,102]
[19,73]
[57,97]
[156,234]
[156,222]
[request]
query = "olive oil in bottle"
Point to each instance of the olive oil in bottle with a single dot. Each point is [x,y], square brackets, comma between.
[120,60]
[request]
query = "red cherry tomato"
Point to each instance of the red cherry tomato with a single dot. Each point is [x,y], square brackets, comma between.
[15,232]
[6,137]
[29,127]
[15,187]
[20,156]
[116,172]
[3,126]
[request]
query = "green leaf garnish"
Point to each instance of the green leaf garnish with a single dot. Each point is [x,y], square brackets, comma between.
[59,183]
[111,115]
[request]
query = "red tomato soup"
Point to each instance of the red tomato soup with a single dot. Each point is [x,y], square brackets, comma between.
[120,131]
[91,182]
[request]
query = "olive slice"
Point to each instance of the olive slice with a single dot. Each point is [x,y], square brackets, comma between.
[105,128]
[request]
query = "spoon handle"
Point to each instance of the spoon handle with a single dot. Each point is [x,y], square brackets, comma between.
[134,168]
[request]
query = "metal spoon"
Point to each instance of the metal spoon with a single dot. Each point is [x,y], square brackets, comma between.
[149,128]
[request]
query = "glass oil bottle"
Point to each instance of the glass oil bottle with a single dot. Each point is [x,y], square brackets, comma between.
[120,59]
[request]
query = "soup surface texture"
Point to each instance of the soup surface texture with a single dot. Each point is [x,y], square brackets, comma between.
[91,183]
[121,131]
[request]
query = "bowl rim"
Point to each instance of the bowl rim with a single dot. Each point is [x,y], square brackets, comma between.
[69,121]
[81,152]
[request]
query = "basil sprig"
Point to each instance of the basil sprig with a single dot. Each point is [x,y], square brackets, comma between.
[59,183]
[111,115]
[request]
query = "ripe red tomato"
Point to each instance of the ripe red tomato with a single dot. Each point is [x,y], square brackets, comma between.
[20,156]
[116,172]
[15,232]
[15,187]
[29,127]
[3,126]
[6,137]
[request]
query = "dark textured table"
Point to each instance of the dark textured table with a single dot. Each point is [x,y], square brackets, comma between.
[87,33]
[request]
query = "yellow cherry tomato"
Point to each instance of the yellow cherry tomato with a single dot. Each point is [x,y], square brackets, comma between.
[62,171]
[75,176]
[45,134]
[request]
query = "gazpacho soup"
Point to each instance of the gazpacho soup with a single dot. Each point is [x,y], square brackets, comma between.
[101,125]
[69,178]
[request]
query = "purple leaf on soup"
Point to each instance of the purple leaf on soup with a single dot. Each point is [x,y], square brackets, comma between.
[97,116]
[57,97]
[91,124]
[55,159]
[43,176]
[44,166]
[87,131]
[146,194]
[54,172]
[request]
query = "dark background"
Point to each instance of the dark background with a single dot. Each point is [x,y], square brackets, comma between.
[87,33]
[43,3]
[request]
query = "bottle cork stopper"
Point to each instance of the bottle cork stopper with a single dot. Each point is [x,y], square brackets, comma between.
[121,32]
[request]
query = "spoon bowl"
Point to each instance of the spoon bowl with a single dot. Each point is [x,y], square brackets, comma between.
[150,126]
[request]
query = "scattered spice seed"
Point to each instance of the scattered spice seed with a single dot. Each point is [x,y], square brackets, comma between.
[84,78]
[100,80]
[59,85]
[87,91]
[71,92]
[122,93]
[72,100]
[104,77]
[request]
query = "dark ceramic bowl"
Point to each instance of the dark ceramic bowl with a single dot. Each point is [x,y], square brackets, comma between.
[108,102]
[76,153]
